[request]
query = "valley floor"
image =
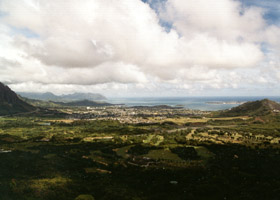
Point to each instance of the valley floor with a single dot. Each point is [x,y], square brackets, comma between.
[175,157]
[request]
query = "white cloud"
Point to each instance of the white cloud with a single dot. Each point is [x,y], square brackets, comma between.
[97,42]
[225,19]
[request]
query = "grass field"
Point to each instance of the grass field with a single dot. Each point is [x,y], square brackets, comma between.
[184,120]
[108,160]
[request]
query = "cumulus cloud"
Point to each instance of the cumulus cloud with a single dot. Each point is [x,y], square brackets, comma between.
[97,42]
[226,19]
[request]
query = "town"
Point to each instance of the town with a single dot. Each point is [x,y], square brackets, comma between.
[134,115]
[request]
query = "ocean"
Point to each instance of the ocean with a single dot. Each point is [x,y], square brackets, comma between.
[195,103]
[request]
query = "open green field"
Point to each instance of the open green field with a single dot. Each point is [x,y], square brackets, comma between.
[60,159]
[184,120]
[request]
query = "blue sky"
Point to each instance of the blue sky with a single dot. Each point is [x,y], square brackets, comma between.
[272,8]
[23,31]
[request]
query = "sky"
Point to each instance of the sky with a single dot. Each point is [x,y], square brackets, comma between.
[134,48]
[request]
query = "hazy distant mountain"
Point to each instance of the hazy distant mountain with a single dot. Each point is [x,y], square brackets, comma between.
[10,103]
[48,96]
[48,104]
[253,108]
[39,96]
[84,96]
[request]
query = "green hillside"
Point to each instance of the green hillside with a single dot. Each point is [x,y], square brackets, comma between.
[10,103]
[52,104]
[40,103]
[253,108]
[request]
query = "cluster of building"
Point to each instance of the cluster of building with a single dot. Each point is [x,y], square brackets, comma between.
[140,114]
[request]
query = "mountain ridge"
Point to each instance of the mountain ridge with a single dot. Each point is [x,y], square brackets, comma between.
[53,104]
[10,103]
[48,96]
[253,108]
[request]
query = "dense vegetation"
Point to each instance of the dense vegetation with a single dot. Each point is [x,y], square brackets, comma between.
[254,108]
[45,159]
